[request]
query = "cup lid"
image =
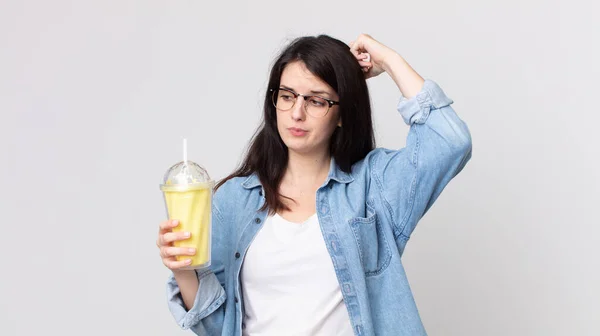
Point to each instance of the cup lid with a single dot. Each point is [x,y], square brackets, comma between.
[186,175]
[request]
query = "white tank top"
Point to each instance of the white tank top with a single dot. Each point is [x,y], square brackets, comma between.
[289,284]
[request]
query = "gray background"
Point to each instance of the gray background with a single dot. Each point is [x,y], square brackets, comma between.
[95,97]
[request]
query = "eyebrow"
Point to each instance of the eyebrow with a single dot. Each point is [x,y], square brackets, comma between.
[317,92]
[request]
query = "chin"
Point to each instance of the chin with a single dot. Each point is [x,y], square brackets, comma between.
[301,148]
[298,148]
[300,145]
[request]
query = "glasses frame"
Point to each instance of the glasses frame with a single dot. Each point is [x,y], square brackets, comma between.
[306,97]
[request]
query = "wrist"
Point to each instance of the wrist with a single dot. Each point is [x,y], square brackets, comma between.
[184,273]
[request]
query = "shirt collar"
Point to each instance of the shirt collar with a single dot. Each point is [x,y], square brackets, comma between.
[335,173]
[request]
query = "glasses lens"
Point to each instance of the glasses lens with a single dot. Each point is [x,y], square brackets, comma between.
[283,99]
[317,107]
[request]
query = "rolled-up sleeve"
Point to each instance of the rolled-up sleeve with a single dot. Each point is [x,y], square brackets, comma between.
[209,297]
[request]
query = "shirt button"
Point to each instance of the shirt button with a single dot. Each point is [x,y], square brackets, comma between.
[236,299]
[257,220]
[237,255]
[260,193]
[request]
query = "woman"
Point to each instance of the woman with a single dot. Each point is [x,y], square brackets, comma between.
[309,232]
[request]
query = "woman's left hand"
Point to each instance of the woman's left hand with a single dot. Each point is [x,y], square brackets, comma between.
[371,55]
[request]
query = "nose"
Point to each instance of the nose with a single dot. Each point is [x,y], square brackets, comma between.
[298,111]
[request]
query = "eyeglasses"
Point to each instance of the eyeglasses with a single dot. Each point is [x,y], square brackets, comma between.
[318,107]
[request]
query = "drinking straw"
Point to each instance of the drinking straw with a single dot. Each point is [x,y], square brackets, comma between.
[185,152]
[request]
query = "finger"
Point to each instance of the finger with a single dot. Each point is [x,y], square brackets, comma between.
[168,225]
[365,64]
[166,252]
[171,251]
[366,57]
[357,47]
[354,48]
[173,264]
[165,227]
[162,253]
[160,242]
[170,237]
[363,57]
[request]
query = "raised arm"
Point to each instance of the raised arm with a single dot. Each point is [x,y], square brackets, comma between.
[438,146]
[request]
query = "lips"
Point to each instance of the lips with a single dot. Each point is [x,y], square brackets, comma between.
[297,131]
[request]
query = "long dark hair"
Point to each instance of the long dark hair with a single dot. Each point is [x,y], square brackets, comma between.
[330,60]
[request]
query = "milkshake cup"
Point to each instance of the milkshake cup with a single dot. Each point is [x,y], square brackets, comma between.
[188,190]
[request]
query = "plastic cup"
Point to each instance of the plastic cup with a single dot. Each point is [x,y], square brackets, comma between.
[187,190]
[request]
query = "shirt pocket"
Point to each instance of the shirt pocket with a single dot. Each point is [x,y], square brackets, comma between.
[373,247]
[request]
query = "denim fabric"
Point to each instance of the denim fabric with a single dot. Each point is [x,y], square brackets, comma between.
[366,217]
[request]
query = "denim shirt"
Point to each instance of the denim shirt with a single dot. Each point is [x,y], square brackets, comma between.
[366,218]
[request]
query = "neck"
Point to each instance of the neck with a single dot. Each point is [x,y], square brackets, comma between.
[311,170]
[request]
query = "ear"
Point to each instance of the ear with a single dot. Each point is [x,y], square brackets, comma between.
[339,124]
